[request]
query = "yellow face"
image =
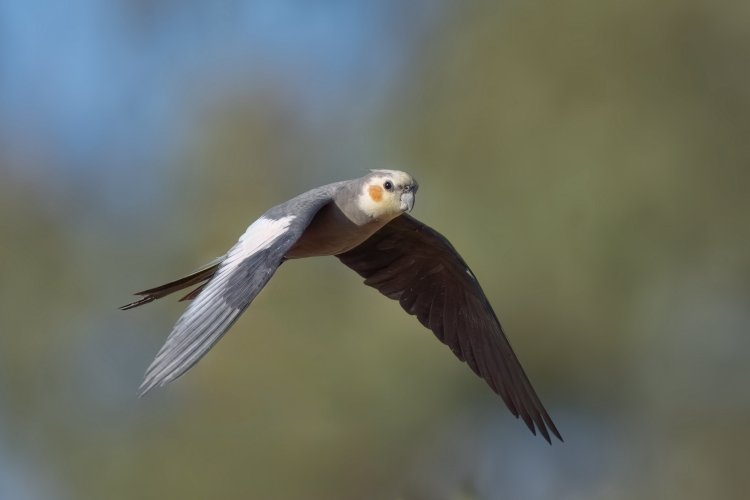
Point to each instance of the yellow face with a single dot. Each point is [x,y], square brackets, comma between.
[387,194]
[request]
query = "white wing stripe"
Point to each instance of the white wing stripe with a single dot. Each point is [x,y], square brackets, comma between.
[209,316]
[260,235]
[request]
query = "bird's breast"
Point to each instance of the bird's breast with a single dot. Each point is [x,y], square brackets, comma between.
[331,232]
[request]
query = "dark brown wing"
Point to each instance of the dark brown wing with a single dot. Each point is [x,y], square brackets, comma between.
[414,264]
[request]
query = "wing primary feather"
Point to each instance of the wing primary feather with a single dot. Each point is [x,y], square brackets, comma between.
[194,293]
[408,261]
[229,286]
[436,313]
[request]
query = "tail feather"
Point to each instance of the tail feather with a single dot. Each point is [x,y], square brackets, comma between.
[194,293]
[202,275]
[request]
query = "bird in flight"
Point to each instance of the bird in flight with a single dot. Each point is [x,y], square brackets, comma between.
[363,222]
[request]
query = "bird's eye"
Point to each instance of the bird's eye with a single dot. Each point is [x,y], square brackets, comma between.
[388,185]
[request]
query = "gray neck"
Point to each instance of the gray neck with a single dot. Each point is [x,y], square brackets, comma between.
[346,198]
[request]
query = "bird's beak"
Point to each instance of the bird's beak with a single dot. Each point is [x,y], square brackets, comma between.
[407,200]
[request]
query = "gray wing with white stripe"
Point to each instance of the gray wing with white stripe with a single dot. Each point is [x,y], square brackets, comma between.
[240,277]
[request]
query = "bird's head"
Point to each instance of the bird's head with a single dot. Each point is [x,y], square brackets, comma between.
[386,194]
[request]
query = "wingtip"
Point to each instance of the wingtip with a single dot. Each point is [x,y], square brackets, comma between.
[146,387]
[545,432]
[552,427]
[142,391]
[547,429]
[557,434]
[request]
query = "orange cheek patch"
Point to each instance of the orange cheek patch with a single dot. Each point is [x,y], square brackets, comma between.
[376,193]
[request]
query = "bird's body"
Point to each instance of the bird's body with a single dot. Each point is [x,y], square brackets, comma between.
[363,223]
[335,229]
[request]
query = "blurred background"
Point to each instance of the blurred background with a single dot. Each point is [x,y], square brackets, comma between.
[589,159]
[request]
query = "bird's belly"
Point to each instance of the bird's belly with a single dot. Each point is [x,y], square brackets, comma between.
[331,233]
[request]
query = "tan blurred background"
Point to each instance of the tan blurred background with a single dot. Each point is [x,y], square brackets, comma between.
[589,159]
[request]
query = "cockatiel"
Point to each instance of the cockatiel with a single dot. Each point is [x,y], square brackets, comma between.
[363,222]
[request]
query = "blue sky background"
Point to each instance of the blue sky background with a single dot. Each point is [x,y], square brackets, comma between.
[99,90]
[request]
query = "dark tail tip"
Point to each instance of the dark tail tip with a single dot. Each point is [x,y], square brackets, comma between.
[139,302]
